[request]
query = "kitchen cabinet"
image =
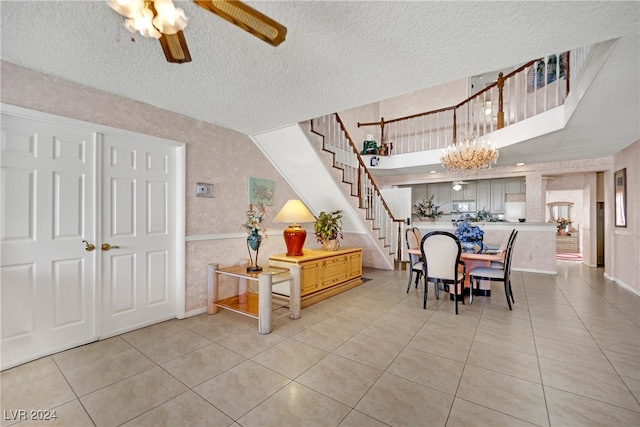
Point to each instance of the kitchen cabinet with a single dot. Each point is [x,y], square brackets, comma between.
[515,185]
[497,195]
[444,196]
[483,195]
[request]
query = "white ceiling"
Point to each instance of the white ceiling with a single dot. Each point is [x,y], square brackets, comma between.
[338,55]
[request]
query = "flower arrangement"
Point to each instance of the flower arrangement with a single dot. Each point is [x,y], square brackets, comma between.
[466,232]
[254,220]
[427,209]
[562,223]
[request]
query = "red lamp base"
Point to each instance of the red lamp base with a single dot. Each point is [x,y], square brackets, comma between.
[294,237]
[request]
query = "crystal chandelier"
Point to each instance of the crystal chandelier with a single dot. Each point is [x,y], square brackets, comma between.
[469,155]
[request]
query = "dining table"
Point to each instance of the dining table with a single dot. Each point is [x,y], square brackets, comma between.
[473,259]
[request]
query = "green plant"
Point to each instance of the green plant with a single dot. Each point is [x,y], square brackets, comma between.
[426,208]
[328,226]
[562,223]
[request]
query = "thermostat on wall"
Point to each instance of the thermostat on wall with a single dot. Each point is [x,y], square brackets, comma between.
[204,190]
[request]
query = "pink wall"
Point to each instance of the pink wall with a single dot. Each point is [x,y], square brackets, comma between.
[625,247]
[214,154]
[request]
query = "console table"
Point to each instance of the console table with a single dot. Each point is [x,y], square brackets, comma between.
[323,273]
[258,306]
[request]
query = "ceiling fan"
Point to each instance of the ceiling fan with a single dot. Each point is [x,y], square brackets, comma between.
[457,185]
[160,19]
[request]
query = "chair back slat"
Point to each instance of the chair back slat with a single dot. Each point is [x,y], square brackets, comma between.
[508,255]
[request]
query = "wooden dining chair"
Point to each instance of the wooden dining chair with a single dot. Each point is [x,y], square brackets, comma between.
[413,238]
[500,264]
[495,274]
[441,257]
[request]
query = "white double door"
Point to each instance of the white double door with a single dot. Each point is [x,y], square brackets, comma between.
[89,236]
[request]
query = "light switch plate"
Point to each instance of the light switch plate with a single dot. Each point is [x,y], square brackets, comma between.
[204,189]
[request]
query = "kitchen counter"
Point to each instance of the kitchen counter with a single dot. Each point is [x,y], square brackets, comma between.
[535,247]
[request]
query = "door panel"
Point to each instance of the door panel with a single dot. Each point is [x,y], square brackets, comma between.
[138,217]
[47,207]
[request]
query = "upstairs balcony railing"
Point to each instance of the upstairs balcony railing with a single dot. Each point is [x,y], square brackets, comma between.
[336,140]
[535,87]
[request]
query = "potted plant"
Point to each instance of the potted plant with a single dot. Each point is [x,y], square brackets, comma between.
[562,225]
[426,209]
[328,229]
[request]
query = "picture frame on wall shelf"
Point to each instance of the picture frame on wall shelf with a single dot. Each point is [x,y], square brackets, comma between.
[620,195]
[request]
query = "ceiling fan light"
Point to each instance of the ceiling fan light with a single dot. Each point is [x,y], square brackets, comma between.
[143,24]
[457,187]
[170,20]
[128,8]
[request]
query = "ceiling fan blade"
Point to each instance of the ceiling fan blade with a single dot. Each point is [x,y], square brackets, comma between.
[175,47]
[247,18]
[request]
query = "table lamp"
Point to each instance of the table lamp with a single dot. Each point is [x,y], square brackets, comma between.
[293,213]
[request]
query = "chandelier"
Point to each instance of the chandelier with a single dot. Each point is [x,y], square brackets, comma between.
[151,18]
[469,155]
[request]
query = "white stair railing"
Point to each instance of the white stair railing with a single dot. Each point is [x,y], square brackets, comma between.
[337,141]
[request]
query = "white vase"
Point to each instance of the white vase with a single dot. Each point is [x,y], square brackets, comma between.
[331,245]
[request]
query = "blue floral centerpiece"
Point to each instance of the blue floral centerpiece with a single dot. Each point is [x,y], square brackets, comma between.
[467,233]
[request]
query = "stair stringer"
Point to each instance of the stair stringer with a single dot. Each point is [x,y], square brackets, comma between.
[310,173]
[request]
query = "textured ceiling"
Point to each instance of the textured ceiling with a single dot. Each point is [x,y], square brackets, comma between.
[337,55]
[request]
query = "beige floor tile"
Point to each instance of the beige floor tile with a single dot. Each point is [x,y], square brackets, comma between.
[188,409]
[591,357]
[296,405]
[249,342]
[341,379]
[127,399]
[240,389]
[549,329]
[214,330]
[172,346]
[400,402]
[634,386]
[568,409]
[155,332]
[89,353]
[442,344]
[505,361]
[203,364]
[517,339]
[624,364]
[107,370]
[503,393]
[358,419]
[428,369]
[620,343]
[71,414]
[465,413]
[391,331]
[587,382]
[359,349]
[33,386]
[290,357]
[324,336]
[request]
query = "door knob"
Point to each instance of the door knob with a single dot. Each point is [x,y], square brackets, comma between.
[89,246]
[106,247]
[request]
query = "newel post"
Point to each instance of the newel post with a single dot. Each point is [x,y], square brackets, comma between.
[500,101]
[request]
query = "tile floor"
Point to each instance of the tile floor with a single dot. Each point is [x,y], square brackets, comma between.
[568,354]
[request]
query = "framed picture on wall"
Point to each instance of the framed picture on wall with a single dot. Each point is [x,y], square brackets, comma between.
[261,191]
[620,194]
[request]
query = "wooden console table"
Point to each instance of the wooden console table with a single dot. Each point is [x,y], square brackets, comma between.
[258,306]
[323,273]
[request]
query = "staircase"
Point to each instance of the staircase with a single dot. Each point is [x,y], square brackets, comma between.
[320,161]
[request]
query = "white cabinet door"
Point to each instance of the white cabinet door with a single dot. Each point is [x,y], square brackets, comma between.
[47,208]
[444,196]
[497,195]
[483,195]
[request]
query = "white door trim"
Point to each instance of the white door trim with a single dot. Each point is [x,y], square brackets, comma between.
[180,215]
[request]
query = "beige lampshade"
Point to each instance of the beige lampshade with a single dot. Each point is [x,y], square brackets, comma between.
[294,212]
